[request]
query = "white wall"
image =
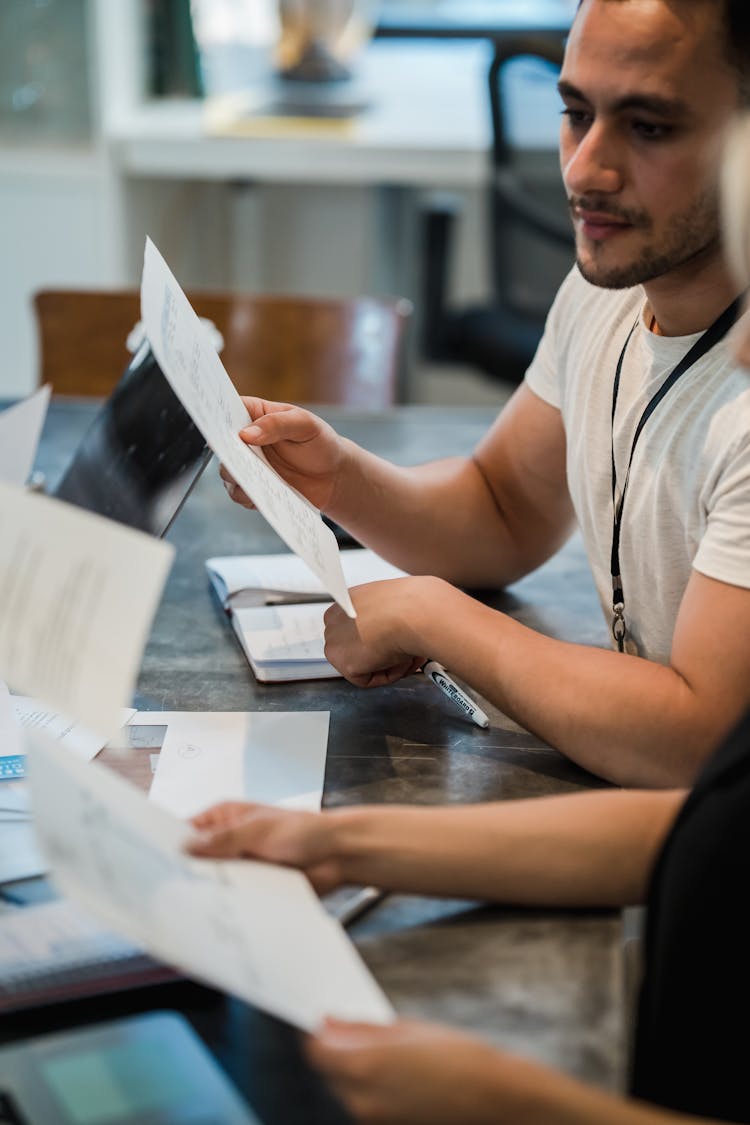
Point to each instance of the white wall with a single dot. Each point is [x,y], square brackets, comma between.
[53,231]
[69,218]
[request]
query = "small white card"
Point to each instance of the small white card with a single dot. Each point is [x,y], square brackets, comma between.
[271,757]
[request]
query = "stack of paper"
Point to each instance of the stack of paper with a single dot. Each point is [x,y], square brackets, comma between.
[276,607]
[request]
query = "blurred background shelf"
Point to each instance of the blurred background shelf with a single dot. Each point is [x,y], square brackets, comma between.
[100,160]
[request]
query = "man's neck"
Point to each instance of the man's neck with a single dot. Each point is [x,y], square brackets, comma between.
[681,305]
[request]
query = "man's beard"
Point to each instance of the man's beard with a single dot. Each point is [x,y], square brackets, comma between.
[688,236]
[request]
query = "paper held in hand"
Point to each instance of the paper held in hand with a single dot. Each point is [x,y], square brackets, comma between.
[190,362]
[79,595]
[253,929]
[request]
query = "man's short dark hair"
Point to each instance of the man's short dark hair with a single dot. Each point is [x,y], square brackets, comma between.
[737,28]
[736,19]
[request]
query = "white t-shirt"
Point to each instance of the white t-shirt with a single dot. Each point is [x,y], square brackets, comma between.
[688,498]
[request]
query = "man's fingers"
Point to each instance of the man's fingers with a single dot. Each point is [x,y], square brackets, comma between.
[289,423]
[233,490]
[258,407]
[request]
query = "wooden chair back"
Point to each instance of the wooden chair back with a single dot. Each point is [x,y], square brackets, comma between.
[347,351]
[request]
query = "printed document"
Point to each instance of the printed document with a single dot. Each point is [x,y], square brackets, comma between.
[188,358]
[79,595]
[62,729]
[271,757]
[256,930]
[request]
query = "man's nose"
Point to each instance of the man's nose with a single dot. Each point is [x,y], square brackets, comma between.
[592,164]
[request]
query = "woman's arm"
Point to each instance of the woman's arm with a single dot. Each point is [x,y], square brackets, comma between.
[587,849]
[413,1073]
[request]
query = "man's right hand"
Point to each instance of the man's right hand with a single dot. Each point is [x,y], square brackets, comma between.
[302,448]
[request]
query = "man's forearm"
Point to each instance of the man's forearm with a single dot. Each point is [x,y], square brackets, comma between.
[630,720]
[439,518]
[587,849]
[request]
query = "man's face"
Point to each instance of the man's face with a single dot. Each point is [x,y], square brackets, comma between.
[648,92]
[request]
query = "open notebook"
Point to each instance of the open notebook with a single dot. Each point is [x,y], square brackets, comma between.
[276,605]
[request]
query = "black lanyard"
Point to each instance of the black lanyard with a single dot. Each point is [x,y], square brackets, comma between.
[711,336]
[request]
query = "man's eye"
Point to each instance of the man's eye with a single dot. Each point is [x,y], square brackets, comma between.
[651,132]
[577,118]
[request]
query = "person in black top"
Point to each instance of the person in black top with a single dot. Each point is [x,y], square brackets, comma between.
[686,856]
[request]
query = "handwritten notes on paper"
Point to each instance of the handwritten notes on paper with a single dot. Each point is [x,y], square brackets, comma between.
[185,353]
[253,929]
[79,594]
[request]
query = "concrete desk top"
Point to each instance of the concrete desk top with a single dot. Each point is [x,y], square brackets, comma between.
[540,982]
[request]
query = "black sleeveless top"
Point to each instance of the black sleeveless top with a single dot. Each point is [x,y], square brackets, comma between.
[692,1042]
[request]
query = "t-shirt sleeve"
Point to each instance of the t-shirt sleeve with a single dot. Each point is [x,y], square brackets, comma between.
[543,374]
[724,550]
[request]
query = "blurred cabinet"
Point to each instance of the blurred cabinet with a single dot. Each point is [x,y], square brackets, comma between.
[54,203]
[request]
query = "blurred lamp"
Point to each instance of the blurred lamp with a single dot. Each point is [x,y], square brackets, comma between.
[320,38]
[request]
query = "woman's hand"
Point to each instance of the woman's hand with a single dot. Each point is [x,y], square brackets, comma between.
[411,1073]
[302,448]
[238,830]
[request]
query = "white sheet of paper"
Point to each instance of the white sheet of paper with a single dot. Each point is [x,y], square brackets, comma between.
[61,728]
[189,360]
[20,429]
[79,594]
[286,572]
[252,929]
[11,742]
[272,757]
[20,857]
[286,633]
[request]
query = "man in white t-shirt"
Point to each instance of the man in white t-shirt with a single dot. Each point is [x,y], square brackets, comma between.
[649,87]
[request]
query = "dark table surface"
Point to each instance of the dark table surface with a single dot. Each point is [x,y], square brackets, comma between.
[546,983]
